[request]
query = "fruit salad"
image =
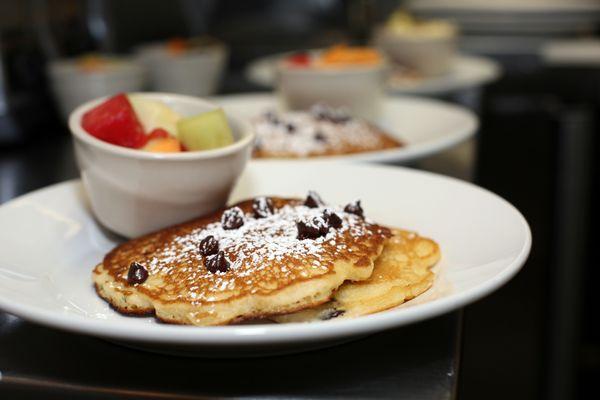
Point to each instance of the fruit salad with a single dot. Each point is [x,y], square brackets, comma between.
[137,122]
[335,57]
[176,47]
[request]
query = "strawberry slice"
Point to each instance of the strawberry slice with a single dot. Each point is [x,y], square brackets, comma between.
[158,133]
[114,121]
[163,145]
[300,59]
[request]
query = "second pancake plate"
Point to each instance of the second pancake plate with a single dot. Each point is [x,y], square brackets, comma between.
[425,126]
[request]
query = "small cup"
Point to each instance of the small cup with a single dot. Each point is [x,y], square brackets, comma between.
[429,55]
[73,86]
[195,72]
[359,88]
[134,192]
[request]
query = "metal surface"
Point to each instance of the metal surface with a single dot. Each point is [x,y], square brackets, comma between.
[573,219]
[417,362]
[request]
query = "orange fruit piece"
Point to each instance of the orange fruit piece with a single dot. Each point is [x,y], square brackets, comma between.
[91,63]
[163,145]
[347,55]
[177,46]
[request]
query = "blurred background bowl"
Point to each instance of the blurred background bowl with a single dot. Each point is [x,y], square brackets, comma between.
[430,56]
[73,83]
[426,47]
[359,89]
[195,71]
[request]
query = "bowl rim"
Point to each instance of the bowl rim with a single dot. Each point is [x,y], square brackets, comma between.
[159,48]
[67,67]
[283,67]
[391,38]
[77,131]
[214,43]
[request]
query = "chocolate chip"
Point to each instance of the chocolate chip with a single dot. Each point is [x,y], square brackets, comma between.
[272,117]
[355,208]
[339,117]
[322,225]
[217,263]
[313,200]
[232,218]
[320,116]
[332,219]
[258,144]
[262,207]
[319,137]
[137,274]
[308,230]
[320,112]
[208,246]
[330,314]
[291,128]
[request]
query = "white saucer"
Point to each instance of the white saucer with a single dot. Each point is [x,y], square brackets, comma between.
[466,72]
[425,126]
[50,243]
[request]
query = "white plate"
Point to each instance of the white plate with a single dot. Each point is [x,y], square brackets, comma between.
[466,72]
[571,53]
[512,16]
[50,243]
[425,126]
[505,6]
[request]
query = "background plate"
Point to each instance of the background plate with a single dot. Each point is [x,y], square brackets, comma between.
[425,126]
[466,72]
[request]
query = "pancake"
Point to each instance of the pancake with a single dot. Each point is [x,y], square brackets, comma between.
[401,273]
[262,267]
[321,131]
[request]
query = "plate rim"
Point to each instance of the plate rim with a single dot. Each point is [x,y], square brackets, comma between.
[242,335]
[493,71]
[411,152]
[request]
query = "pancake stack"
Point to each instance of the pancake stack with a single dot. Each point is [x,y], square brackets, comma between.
[284,260]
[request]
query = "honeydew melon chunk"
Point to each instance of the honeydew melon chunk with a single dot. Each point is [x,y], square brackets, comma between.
[154,114]
[209,130]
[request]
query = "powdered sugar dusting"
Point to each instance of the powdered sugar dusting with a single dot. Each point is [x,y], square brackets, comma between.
[305,133]
[273,238]
[263,254]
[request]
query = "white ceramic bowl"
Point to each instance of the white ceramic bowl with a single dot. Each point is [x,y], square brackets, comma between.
[72,86]
[196,72]
[428,55]
[360,89]
[134,192]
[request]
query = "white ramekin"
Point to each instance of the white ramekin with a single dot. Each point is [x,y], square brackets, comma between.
[428,55]
[196,72]
[133,192]
[72,86]
[360,89]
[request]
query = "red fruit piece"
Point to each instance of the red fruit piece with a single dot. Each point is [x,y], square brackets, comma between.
[114,121]
[300,59]
[158,133]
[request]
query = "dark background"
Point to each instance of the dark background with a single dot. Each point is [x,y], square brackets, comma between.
[539,336]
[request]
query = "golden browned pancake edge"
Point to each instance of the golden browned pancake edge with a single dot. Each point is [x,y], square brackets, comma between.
[385,142]
[402,272]
[179,289]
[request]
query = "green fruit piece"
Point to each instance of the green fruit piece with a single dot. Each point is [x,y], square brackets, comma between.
[209,130]
[154,114]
